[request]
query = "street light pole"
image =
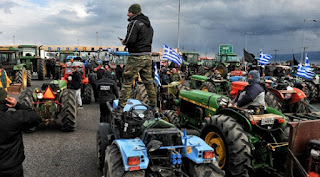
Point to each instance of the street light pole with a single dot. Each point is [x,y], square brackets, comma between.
[303,47]
[248,33]
[13,40]
[275,55]
[97,39]
[178,27]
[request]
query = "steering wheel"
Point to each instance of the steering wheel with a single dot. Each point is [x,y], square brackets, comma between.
[132,110]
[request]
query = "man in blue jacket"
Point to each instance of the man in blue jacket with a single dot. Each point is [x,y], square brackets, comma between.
[12,124]
[253,95]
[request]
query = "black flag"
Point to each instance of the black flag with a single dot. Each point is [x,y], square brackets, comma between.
[295,62]
[249,57]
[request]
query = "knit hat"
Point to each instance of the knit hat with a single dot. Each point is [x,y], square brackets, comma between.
[3,94]
[135,8]
[255,77]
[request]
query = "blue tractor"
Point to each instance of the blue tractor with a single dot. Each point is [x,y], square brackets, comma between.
[138,144]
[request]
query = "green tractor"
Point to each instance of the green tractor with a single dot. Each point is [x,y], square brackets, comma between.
[190,63]
[245,143]
[30,56]
[226,63]
[16,71]
[54,103]
[210,84]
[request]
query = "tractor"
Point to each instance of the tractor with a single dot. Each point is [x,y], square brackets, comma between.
[314,85]
[54,103]
[190,63]
[226,63]
[86,90]
[139,144]
[62,59]
[210,84]
[16,71]
[29,55]
[206,64]
[248,142]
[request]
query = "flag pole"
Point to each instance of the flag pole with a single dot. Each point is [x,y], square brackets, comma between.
[178,28]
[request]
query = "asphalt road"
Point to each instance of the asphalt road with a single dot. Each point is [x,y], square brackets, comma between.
[53,153]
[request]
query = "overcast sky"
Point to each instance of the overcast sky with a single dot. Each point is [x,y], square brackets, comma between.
[204,24]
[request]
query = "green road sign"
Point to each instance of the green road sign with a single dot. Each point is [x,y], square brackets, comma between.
[225,49]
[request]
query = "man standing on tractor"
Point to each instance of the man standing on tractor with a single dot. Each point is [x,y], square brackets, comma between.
[175,76]
[107,92]
[138,41]
[5,81]
[12,124]
[253,95]
[76,85]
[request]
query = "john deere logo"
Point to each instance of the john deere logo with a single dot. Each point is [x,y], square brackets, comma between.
[299,93]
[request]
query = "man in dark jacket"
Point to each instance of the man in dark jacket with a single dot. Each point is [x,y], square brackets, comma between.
[138,41]
[76,85]
[253,95]
[107,92]
[12,124]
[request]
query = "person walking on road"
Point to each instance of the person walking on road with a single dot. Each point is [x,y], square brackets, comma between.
[12,124]
[76,85]
[107,92]
[138,41]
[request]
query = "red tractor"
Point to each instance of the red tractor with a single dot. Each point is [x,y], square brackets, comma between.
[280,96]
[86,90]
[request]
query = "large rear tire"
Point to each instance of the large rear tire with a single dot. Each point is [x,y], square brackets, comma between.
[21,77]
[313,91]
[203,170]
[68,112]
[29,78]
[41,70]
[102,143]
[114,166]
[173,117]
[57,73]
[231,144]
[26,99]
[141,93]
[87,94]
[301,107]
[273,101]
[208,87]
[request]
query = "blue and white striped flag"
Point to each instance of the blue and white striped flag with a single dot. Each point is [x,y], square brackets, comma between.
[171,55]
[156,75]
[301,71]
[264,58]
[309,73]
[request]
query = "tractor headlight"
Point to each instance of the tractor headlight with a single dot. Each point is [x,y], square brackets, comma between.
[222,101]
[40,95]
[69,78]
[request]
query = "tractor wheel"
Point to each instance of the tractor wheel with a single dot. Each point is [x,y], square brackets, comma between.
[203,170]
[208,87]
[41,70]
[306,91]
[313,91]
[231,144]
[102,143]
[57,73]
[172,117]
[26,97]
[141,93]
[68,112]
[273,101]
[87,94]
[114,165]
[21,77]
[300,107]
[223,70]
[28,78]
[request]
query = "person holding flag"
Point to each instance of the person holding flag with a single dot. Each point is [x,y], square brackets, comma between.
[138,41]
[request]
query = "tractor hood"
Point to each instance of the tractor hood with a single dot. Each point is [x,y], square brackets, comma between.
[199,77]
[204,99]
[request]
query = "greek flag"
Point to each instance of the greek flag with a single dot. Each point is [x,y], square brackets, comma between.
[156,75]
[301,71]
[264,58]
[171,55]
[309,74]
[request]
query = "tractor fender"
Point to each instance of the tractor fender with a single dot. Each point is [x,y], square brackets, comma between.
[299,95]
[195,148]
[19,67]
[242,119]
[276,92]
[64,79]
[85,81]
[133,148]
[271,110]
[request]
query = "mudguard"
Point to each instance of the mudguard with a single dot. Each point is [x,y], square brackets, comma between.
[277,92]
[199,78]
[299,95]
[195,149]
[133,148]
[130,103]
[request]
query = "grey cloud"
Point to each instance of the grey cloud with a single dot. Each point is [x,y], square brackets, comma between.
[6,6]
